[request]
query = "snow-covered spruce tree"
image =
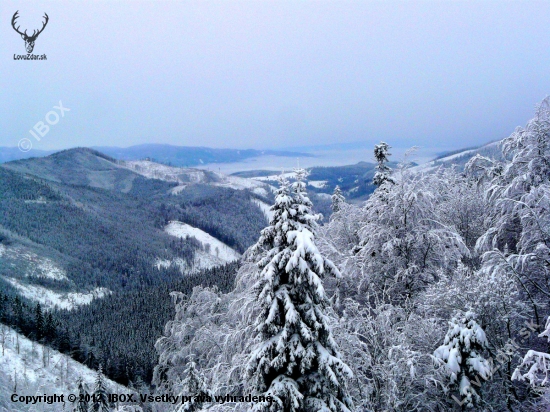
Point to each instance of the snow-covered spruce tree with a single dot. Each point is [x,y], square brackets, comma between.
[462,356]
[296,360]
[383,171]
[194,386]
[100,396]
[337,200]
[496,300]
[81,403]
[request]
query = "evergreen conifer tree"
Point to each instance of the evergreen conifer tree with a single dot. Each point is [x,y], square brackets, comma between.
[100,396]
[337,200]
[461,353]
[38,322]
[81,403]
[383,171]
[194,386]
[296,361]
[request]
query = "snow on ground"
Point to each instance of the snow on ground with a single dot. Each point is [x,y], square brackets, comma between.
[154,170]
[217,247]
[239,183]
[274,177]
[186,176]
[265,208]
[325,195]
[177,190]
[50,299]
[319,184]
[216,252]
[37,370]
[34,265]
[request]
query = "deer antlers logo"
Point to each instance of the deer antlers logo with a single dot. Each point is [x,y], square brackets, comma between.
[29,40]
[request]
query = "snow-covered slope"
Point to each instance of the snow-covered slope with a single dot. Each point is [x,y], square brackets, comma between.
[459,159]
[20,267]
[275,177]
[154,170]
[317,183]
[241,183]
[186,176]
[50,299]
[215,252]
[28,368]
[33,265]
[265,208]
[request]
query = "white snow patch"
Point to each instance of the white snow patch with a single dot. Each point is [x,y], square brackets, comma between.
[265,208]
[215,248]
[50,299]
[36,266]
[324,195]
[162,263]
[319,184]
[260,191]
[42,370]
[178,189]
[240,183]
[154,170]
[275,177]
[48,269]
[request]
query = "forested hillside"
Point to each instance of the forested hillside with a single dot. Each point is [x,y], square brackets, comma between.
[102,224]
[80,231]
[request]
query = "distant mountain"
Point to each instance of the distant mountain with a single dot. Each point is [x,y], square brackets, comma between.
[82,233]
[355,181]
[79,224]
[190,156]
[357,145]
[183,156]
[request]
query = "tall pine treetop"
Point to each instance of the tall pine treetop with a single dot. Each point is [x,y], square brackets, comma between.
[296,361]
[337,199]
[383,171]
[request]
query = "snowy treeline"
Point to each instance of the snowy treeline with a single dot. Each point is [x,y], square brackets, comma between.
[431,296]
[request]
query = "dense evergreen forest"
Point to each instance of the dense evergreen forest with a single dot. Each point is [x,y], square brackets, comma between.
[111,236]
[117,332]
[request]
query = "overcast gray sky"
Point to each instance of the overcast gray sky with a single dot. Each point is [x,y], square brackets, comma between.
[268,74]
